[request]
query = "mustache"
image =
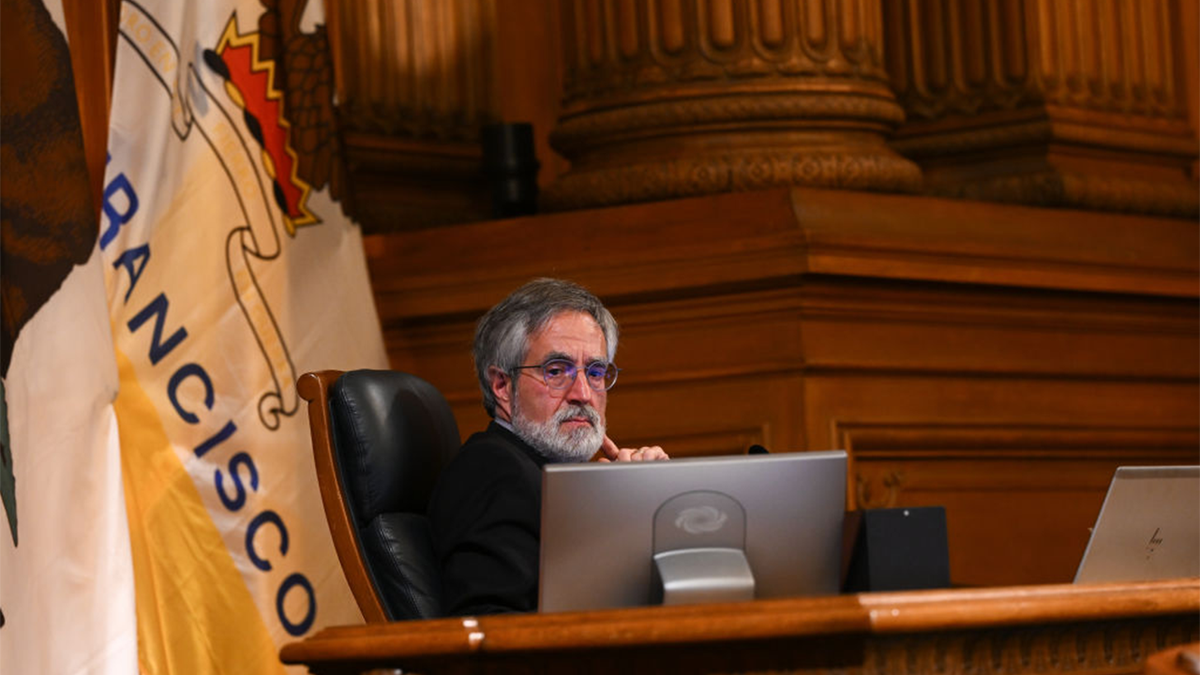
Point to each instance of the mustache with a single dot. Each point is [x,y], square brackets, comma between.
[586,412]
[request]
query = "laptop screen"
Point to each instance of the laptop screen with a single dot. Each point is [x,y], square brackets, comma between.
[1148,527]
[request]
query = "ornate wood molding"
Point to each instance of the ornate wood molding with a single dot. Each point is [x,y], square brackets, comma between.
[1070,103]
[1054,103]
[669,99]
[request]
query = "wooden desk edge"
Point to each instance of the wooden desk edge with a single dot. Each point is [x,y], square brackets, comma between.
[869,613]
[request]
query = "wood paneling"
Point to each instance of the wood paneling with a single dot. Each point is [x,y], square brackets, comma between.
[966,354]
[1019,499]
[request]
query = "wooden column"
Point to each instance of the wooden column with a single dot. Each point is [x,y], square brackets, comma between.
[667,98]
[1077,103]
[414,88]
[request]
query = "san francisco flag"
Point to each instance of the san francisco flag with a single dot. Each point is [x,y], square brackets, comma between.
[231,269]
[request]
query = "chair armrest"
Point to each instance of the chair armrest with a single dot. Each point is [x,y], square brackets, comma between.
[314,388]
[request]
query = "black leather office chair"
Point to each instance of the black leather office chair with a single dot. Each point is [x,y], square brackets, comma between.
[379,440]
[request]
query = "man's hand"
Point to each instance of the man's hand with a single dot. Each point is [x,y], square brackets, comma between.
[609,452]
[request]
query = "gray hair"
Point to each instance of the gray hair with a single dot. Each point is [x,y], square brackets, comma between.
[502,335]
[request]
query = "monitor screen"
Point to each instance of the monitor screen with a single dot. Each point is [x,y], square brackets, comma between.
[691,530]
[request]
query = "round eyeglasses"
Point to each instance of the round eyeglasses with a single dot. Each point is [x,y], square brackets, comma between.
[560,374]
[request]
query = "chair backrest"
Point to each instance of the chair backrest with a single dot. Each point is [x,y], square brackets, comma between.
[380,438]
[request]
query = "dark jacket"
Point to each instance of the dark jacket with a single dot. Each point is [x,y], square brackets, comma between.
[485,513]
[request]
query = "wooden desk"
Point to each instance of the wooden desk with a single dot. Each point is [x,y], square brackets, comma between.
[1180,660]
[1100,628]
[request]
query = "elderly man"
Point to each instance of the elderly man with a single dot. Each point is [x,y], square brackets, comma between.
[544,358]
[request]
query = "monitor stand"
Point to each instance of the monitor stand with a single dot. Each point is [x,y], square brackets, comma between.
[699,550]
[689,576]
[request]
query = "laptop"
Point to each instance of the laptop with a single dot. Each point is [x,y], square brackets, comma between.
[1148,527]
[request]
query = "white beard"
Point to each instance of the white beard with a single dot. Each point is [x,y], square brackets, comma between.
[552,442]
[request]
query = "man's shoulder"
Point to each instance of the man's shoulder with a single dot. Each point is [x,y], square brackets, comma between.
[496,439]
[488,463]
[495,450]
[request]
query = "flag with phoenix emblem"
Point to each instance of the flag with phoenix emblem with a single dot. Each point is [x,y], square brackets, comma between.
[232,269]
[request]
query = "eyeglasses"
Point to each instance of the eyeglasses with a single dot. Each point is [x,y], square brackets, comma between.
[560,374]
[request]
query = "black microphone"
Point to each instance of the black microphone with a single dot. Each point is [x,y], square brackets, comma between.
[757,449]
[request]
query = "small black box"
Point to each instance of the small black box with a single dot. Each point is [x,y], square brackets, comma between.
[898,549]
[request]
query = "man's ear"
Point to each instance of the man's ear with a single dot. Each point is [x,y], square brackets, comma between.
[501,385]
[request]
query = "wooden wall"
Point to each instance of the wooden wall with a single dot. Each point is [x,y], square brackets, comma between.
[1000,361]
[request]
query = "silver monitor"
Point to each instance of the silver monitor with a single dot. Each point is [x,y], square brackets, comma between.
[691,530]
[1148,527]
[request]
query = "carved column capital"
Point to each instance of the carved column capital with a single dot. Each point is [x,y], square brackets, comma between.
[667,98]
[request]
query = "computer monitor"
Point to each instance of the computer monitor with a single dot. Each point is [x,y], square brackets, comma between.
[1148,527]
[691,530]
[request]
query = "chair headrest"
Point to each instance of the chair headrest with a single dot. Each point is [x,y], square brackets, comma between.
[393,433]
